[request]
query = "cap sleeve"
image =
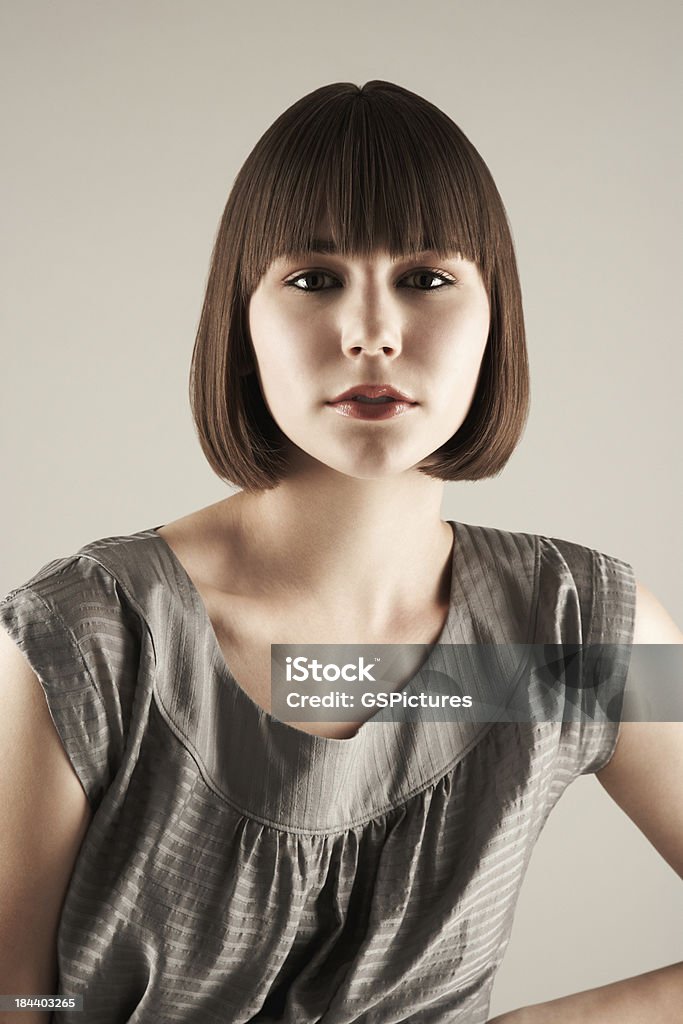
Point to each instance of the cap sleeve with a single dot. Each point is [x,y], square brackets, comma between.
[607,659]
[82,639]
[598,614]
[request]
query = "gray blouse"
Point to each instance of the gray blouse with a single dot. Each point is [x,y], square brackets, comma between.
[239,869]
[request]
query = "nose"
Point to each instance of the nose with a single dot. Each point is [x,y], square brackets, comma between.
[371,324]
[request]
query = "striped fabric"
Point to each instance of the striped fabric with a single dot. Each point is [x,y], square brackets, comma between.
[239,869]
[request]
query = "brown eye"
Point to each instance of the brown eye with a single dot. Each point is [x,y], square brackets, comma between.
[426,279]
[315,278]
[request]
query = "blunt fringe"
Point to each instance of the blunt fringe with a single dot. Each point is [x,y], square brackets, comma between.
[388,169]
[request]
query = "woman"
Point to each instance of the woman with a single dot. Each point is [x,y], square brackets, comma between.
[361,343]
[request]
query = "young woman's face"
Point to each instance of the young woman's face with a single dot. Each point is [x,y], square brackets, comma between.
[324,323]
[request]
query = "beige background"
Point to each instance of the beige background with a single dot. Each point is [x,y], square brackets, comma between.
[124,125]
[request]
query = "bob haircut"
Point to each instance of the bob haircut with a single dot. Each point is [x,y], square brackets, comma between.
[389,170]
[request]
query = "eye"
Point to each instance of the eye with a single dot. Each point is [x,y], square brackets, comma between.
[314,275]
[426,277]
[436,275]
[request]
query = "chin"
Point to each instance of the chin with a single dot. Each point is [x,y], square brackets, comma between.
[372,469]
[372,462]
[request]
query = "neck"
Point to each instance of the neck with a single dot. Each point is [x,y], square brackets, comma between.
[361,549]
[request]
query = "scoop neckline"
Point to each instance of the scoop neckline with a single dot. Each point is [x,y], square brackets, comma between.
[268,721]
[300,782]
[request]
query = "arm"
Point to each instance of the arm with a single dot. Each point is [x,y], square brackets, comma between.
[644,778]
[45,815]
[652,998]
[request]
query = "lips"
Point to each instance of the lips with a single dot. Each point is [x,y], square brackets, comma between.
[380,391]
[372,402]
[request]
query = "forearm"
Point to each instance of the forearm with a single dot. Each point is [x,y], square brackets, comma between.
[652,998]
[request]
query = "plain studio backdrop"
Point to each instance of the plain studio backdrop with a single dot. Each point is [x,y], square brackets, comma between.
[124,126]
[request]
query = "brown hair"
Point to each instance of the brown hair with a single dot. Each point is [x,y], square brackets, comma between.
[384,165]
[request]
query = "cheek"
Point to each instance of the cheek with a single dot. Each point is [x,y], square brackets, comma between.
[269,336]
[286,355]
[458,345]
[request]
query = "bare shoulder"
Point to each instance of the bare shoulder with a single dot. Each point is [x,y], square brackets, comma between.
[653,623]
[643,775]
